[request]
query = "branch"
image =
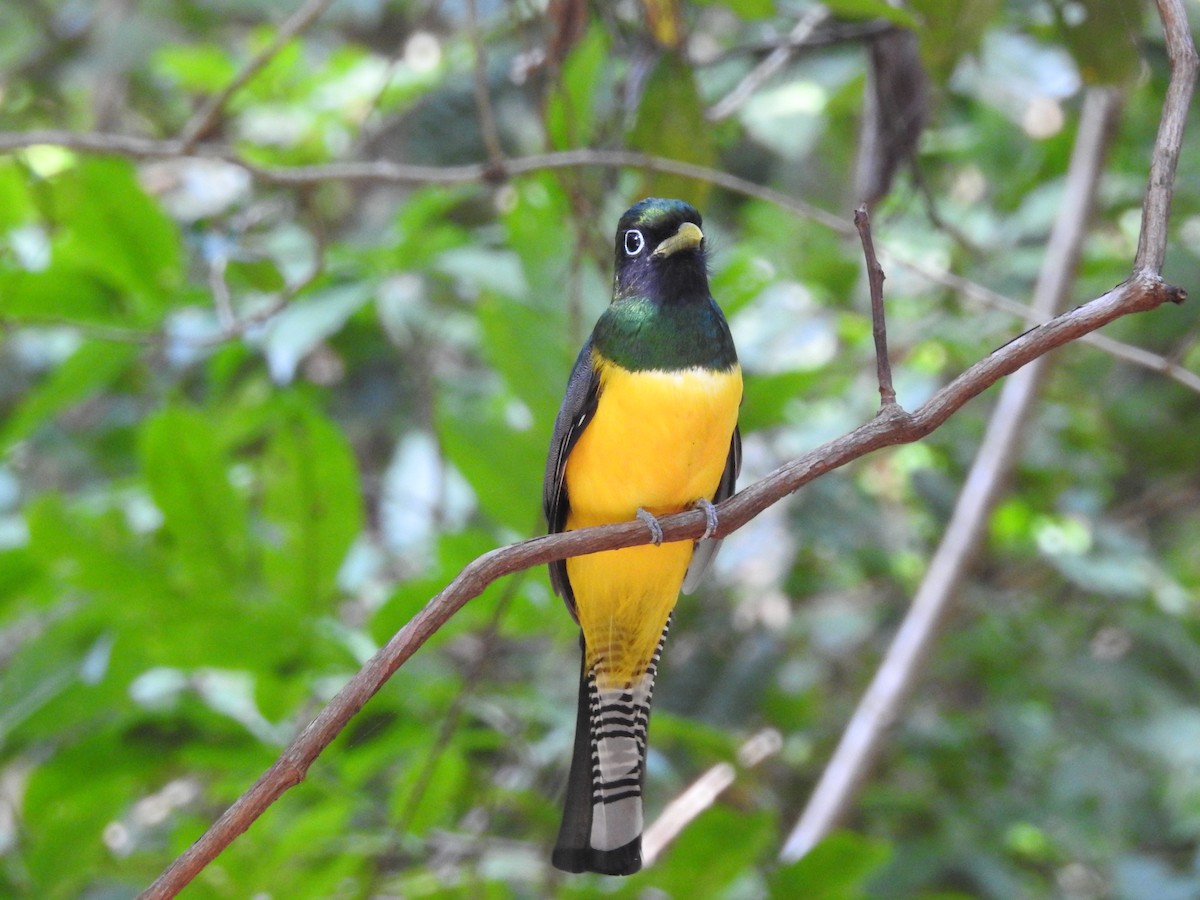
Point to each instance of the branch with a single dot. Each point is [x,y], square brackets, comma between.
[883,365]
[1141,293]
[765,70]
[483,100]
[1156,209]
[200,124]
[904,662]
[386,172]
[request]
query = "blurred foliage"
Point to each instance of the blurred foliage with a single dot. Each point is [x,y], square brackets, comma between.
[204,531]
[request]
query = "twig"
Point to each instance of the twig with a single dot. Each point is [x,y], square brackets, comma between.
[887,393]
[483,100]
[703,792]
[1156,209]
[904,661]
[1169,367]
[220,292]
[775,60]
[202,122]
[1143,292]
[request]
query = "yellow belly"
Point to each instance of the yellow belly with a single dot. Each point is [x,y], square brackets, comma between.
[658,441]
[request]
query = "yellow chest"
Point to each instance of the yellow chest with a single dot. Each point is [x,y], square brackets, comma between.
[658,440]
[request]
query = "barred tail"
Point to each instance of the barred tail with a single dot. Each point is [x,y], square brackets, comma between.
[602,821]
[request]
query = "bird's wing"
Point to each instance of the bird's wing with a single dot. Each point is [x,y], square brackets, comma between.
[578,407]
[706,550]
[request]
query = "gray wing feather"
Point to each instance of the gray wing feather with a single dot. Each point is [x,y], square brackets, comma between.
[578,407]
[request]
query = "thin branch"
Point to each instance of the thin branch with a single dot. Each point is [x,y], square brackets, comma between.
[220,293]
[904,662]
[1143,292]
[765,70]
[483,100]
[703,793]
[394,173]
[202,122]
[1156,209]
[388,172]
[883,366]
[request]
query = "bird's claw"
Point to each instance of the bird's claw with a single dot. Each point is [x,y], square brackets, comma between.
[710,517]
[656,532]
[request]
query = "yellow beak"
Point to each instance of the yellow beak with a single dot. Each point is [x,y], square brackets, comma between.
[687,237]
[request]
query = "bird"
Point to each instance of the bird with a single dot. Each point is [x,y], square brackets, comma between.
[648,427]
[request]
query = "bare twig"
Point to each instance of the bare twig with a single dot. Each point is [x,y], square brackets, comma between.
[1156,210]
[903,663]
[887,393]
[483,100]
[1141,293]
[220,292]
[202,122]
[775,60]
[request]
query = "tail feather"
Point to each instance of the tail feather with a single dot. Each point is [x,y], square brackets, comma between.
[602,821]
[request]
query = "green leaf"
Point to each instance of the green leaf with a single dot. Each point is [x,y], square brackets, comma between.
[63,293]
[570,113]
[729,842]
[258,274]
[312,499]
[747,9]
[538,230]
[767,397]
[65,813]
[510,329]
[490,438]
[293,333]
[15,201]
[204,68]
[838,868]
[671,122]
[951,29]
[1104,40]
[117,232]
[91,368]
[188,477]
[872,9]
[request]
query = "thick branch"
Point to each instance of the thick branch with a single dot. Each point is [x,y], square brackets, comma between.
[1142,293]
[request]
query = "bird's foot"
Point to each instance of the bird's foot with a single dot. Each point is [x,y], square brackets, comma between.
[656,532]
[710,517]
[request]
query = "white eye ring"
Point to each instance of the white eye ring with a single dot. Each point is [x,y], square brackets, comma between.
[634,242]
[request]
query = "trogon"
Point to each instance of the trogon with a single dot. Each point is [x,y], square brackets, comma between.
[648,427]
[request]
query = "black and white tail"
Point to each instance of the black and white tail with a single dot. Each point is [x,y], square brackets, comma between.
[602,820]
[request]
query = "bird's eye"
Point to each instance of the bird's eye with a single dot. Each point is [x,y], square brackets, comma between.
[634,242]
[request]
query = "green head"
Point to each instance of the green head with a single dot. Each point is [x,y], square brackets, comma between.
[660,253]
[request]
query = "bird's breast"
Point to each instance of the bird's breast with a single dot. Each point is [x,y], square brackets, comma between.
[658,441]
